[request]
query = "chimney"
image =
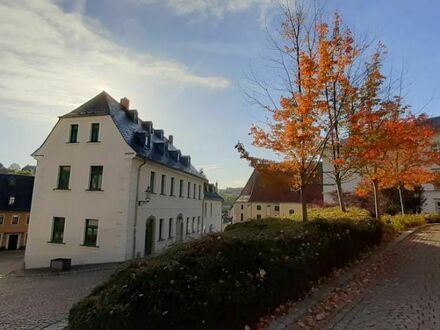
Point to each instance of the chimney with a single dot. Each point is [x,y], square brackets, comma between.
[125,103]
[170,139]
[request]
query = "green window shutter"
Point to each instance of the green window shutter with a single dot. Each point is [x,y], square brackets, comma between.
[95,178]
[94,134]
[91,232]
[73,133]
[57,230]
[63,177]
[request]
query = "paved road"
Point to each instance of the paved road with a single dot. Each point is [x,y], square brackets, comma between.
[408,297]
[37,302]
[10,261]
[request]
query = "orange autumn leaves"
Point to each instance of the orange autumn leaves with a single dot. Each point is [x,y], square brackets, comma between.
[398,154]
[336,108]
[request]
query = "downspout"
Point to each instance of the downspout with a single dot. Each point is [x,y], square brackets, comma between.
[136,208]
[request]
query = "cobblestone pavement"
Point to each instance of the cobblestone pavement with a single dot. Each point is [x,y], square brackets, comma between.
[41,302]
[10,260]
[407,297]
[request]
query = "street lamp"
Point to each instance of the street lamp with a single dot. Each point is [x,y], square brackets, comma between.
[147,197]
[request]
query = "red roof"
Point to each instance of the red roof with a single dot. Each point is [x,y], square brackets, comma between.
[275,187]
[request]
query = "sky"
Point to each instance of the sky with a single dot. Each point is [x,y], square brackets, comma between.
[182,63]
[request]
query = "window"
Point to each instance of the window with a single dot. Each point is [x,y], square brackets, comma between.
[170,228]
[161,221]
[63,178]
[57,230]
[187,225]
[211,228]
[152,181]
[241,217]
[200,192]
[258,207]
[11,200]
[181,188]
[277,208]
[198,224]
[193,227]
[194,191]
[73,133]
[94,133]
[14,220]
[291,211]
[189,190]
[241,206]
[258,216]
[210,209]
[95,178]
[172,187]
[162,184]
[206,209]
[28,218]
[2,219]
[91,232]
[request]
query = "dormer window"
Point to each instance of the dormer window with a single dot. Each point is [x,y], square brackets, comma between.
[94,133]
[11,201]
[73,133]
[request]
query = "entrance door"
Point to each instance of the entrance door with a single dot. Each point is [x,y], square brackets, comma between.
[179,229]
[149,237]
[13,240]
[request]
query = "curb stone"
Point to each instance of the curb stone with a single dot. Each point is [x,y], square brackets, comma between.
[302,308]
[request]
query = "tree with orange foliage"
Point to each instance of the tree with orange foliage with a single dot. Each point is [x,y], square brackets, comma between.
[299,131]
[369,143]
[410,161]
[294,133]
[338,55]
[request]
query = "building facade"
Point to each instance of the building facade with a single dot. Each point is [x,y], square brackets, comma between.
[268,195]
[109,187]
[212,209]
[15,206]
[430,191]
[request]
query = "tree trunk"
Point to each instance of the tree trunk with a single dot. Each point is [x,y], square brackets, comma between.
[303,204]
[402,207]
[340,193]
[376,198]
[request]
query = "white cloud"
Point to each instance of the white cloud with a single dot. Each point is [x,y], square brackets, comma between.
[216,8]
[51,60]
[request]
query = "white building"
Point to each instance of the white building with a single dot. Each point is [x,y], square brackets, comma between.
[270,195]
[212,209]
[431,192]
[109,187]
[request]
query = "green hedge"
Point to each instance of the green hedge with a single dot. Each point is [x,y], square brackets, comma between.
[432,217]
[334,213]
[397,223]
[224,280]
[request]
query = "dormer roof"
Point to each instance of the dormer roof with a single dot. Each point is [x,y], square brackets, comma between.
[139,135]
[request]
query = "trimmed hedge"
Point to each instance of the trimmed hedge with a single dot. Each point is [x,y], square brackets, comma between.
[334,213]
[397,223]
[226,280]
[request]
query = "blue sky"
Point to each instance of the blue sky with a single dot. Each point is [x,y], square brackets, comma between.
[181,63]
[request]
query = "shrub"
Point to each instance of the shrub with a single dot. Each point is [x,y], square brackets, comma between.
[334,213]
[224,280]
[432,217]
[397,223]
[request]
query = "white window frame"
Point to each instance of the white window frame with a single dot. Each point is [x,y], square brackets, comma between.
[18,219]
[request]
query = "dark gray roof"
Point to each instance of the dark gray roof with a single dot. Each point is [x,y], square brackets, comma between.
[211,193]
[18,186]
[147,142]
